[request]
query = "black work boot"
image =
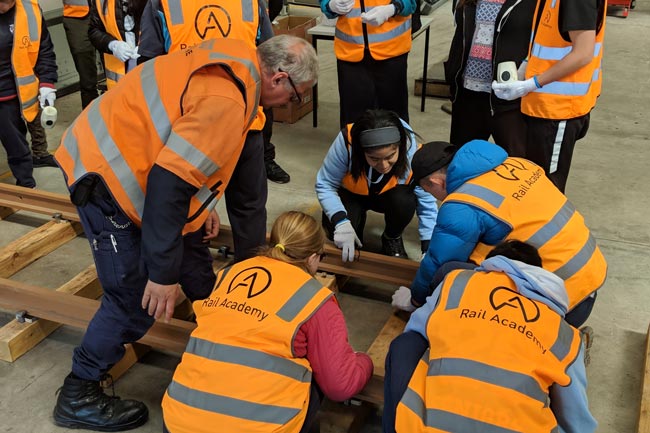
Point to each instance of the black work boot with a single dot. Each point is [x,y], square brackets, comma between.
[276,173]
[83,404]
[393,247]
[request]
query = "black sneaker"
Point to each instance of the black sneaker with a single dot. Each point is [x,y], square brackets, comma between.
[83,404]
[275,173]
[44,161]
[393,247]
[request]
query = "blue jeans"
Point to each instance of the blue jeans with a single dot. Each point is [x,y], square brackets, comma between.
[115,242]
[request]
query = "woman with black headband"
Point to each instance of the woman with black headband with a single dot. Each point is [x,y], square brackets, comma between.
[368,167]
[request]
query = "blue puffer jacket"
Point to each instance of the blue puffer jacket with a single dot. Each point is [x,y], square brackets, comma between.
[460,226]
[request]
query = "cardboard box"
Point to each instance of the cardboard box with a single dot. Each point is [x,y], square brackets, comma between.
[292,112]
[295,26]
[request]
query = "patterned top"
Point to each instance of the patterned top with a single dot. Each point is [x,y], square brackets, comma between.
[478,72]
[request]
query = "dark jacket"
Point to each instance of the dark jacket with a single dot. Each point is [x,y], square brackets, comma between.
[97,33]
[511,41]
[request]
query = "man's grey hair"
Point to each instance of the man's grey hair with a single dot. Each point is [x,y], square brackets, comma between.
[292,55]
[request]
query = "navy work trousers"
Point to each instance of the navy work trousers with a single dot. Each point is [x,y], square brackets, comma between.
[115,242]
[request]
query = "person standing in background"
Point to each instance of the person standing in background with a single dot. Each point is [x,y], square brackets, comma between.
[28,72]
[75,23]
[562,80]
[371,44]
[488,32]
[114,30]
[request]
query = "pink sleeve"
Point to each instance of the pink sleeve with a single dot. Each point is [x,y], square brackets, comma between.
[323,339]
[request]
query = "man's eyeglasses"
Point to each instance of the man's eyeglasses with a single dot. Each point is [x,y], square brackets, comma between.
[296,95]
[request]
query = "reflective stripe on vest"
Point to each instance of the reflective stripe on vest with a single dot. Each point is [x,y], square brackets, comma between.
[75,8]
[114,68]
[573,95]
[231,406]
[299,300]
[176,11]
[27,25]
[375,37]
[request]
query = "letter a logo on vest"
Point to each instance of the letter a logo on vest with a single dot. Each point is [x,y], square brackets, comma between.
[501,297]
[211,17]
[508,170]
[255,279]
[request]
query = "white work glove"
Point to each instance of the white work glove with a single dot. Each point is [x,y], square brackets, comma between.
[514,89]
[46,96]
[121,50]
[402,299]
[345,238]
[378,15]
[341,7]
[521,71]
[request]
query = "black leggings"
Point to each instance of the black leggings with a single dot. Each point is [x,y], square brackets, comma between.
[397,204]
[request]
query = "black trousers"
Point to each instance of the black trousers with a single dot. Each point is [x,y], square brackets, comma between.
[38,137]
[403,356]
[471,119]
[83,55]
[267,132]
[13,135]
[551,143]
[246,198]
[397,204]
[371,84]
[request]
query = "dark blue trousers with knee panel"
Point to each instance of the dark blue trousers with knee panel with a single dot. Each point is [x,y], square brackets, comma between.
[115,242]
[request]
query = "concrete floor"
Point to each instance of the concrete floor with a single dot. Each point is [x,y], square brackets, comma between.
[605,185]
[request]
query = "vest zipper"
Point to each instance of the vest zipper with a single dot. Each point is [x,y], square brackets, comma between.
[502,21]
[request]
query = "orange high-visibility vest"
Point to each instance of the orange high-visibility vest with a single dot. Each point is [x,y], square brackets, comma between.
[121,135]
[518,193]
[114,68]
[493,355]
[352,37]
[24,54]
[239,372]
[75,8]
[190,22]
[360,186]
[571,96]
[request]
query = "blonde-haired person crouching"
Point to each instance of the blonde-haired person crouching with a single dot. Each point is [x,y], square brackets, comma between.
[270,341]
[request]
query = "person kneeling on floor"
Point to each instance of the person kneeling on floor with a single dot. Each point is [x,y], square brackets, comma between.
[488,197]
[490,351]
[368,167]
[270,341]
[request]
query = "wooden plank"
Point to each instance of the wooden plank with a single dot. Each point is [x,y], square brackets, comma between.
[644,412]
[327,280]
[134,352]
[337,417]
[35,244]
[371,266]
[39,201]
[17,338]
[379,348]
[75,311]
[6,211]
